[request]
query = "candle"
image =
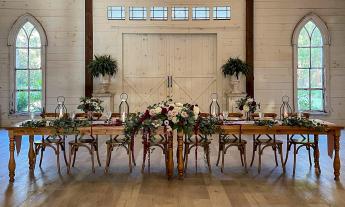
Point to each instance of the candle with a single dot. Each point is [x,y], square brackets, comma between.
[286,114]
[123,116]
[60,111]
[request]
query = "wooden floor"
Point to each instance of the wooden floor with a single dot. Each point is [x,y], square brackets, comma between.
[233,188]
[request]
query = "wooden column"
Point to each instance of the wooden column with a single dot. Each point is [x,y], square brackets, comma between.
[88,47]
[250,46]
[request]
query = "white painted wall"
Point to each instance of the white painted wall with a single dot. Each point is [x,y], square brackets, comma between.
[63,22]
[274,24]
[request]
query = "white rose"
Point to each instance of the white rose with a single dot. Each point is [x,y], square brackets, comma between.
[184,114]
[174,120]
[158,110]
[196,110]
[179,104]
[152,112]
[246,108]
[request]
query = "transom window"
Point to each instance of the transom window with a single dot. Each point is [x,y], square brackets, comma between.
[116,13]
[28,70]
[221,12]
[310,69]
[137,13]
[179,13]
[201,13]
[159,13]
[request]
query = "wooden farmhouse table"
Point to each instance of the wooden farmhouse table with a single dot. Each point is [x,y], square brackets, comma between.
[333,135]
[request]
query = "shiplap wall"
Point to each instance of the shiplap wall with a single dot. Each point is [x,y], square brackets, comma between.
[274,22]
[63,21]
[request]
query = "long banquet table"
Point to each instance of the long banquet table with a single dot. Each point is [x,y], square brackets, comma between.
[333,132]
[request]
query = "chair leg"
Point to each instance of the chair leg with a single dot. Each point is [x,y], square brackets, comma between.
[41,158]
[294,158]
[97,154]
[196,159]
[280,150]
[63,149]
[149,160]
[132,152]
[107,163]
[223,155]
[58,157]
[254,150]
[288,146]
[260,153]
[186,153]
[207,152]
[144,158]
[130,158]
[244,157]
[74,155]
[70,159]
[309,155]
[240,149]
[92,159]
[219,149]
[275,154]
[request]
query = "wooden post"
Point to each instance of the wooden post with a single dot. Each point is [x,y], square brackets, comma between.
[250,46]
[88,47]
[336,163]
[11,162]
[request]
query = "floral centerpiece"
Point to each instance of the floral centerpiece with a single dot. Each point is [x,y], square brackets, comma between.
[173,116]
[90,105]
[248,105]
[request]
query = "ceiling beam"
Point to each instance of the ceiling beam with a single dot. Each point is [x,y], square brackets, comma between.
[250,46]
[88,47]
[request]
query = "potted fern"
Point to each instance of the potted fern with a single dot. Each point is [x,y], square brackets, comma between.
[103,67]
[235,67]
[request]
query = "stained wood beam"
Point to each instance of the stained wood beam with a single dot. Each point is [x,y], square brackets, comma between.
[250,46]
[88,47]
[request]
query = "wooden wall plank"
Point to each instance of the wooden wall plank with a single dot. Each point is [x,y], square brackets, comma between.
[250,46]
[88,47]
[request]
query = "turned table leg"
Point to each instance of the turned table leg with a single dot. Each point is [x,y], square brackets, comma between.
[180,154]
[31,153]
[316,154]
[336,163]
[11,162]
[170,162]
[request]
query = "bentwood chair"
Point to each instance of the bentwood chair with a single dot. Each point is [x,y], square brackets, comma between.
[56,143]
[89,142]
[120,141]
[150,141]
[300,142]
[260,144]
[232,140]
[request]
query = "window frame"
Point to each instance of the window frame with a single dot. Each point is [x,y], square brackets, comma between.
[165,11]
[134,8]
[185,9]
[11,43]
[215,9]
[326,44]
[122,10]
[195,10]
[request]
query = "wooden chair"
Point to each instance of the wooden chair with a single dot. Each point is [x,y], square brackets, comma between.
[90,143]
[151,141]
[300,142]
[56,143]
[271,141]
[232,140]
[120,142]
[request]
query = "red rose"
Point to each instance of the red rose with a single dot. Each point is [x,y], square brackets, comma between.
[164,111]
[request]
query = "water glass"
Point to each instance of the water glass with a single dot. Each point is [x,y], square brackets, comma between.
[32,116]
[225,114]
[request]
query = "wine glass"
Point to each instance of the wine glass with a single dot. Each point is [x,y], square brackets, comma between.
[73,115]
[108,116]
[32,116]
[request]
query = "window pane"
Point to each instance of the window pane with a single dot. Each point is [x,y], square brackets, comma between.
[137,13]
[22,101]
[116,12]
[310,27]
[22,58]
[159,13]
[316,78]
[35,40]
[35,58]
[317,100]
[22,39]
[22,80]
[303,100]
[35,101]
[304,57]
[303,38]
[302,78]
[221,12]
[316,39]
[179,13]
[201,13]
[28,27]
[35,79]
[316,57]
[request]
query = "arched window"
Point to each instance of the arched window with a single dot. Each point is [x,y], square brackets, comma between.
[311,41]
[28,41]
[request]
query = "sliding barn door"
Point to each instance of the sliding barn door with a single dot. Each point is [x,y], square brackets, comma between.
[192,65]
[189,59]
[145,69]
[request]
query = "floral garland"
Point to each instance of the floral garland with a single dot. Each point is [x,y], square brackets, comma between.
[293,122]
[92,104]
[173,116]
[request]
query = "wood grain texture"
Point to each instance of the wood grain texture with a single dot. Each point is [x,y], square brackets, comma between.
[88,46]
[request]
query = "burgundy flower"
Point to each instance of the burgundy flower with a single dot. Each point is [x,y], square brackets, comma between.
[171,108]
[164,111]
[240,108]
